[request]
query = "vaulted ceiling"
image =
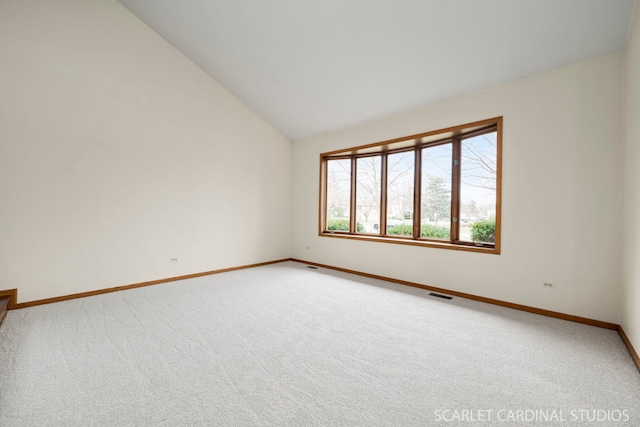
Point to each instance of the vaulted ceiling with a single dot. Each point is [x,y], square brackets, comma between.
[313,66]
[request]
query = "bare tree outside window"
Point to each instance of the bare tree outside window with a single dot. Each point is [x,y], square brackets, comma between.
[338,194]
[400,185]
[369,175]
[478,175]
[436,191]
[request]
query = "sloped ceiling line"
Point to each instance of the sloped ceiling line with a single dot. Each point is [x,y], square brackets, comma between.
[310,67]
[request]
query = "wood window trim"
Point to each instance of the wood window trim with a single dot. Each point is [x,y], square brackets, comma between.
[415,143]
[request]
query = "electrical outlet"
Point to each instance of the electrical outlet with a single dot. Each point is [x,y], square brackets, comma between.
[548,285]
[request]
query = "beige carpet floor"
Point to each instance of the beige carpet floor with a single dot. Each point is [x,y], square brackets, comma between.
[287,345]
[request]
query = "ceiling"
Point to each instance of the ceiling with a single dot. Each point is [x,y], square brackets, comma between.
[313,66]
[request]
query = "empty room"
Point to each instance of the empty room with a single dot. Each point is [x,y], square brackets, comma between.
[319,213]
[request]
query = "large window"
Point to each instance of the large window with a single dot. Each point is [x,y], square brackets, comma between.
[439,189]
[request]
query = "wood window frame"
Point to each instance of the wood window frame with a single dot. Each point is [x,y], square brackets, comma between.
[415,143]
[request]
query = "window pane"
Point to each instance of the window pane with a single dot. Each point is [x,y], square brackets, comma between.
[435,221]
[478,188]
[368,195]
[338,194]
[400,170]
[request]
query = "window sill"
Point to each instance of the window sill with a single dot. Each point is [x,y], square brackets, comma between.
[414,242]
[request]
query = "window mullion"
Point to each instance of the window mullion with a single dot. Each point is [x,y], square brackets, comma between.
[455,190]
[417,179]
[324,164]
[352,201]
[383,194]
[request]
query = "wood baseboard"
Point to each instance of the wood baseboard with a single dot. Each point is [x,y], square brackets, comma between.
[549,313]
[13,297]
[135,285]
[521,307]
[632,351]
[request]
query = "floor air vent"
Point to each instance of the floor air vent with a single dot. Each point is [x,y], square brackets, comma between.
[312,267]
[440,296]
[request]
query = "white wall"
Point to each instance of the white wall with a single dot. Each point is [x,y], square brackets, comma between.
[630,321]
[117,153]
[562,176]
